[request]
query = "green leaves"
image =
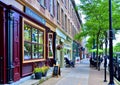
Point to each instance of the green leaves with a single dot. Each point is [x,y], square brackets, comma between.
[116,48]
[97,18]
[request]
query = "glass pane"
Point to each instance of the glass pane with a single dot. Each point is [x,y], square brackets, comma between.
[40,37]
[34,51]
[41,52]
[27,32]
[34,35]
[37,51]
[27,51]
[43,2]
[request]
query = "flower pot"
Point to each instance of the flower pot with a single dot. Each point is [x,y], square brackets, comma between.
[44,74]
[38,75]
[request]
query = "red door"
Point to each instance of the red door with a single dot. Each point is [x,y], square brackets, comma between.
[16,46]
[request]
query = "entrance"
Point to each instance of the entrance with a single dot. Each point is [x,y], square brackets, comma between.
[16,47]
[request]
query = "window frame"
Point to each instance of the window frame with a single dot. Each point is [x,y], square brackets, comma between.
[24,21]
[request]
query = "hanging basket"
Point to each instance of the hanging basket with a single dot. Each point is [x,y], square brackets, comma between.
[59,47]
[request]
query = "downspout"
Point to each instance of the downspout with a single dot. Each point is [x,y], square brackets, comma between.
[10,47]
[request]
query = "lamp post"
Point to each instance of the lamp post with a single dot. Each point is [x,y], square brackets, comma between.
[111,82]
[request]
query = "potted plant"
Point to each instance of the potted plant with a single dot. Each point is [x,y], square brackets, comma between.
[38,72]
[59,47]
[44,70]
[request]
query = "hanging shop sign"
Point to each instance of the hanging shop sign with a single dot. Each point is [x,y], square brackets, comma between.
[34,15]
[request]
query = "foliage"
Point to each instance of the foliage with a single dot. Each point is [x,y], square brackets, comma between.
[116,48]
[97,19]
[59,47]
[45,69]
[37,69]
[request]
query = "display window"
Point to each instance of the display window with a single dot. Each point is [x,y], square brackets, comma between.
[50,43]
[33,42]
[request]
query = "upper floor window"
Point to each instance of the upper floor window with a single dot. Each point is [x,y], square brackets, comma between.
[65,2]
[62,18]
[69,26]
[58,11]
[52,7]
[42,3]
[66,23]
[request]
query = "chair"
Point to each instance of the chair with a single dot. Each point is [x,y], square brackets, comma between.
[68,62]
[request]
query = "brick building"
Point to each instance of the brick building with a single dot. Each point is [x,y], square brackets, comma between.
[30,32]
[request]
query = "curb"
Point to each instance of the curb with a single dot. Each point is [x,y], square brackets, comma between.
[42,80]
[116,81]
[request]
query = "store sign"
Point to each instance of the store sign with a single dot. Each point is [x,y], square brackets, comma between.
[59,33]
[31,13]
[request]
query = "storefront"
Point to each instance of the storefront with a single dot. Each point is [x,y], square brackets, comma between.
[76,49]
[60,39]
[26,41]
[68,48]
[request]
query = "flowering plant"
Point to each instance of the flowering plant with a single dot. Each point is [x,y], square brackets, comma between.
[59,47]
[45,69]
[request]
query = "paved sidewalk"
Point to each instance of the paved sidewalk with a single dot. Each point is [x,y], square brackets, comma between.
[82,74]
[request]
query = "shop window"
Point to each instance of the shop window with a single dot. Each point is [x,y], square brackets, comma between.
[33,42]
[50,43]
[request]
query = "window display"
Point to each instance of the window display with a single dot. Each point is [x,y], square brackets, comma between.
[33,42]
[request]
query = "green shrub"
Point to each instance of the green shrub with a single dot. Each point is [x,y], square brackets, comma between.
[37,69]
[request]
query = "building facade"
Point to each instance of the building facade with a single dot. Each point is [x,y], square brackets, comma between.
[30,31]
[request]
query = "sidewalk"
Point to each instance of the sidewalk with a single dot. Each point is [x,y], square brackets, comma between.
[82,74]
[97,77]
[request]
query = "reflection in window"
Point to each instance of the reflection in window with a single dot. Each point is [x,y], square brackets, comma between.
[33,43]
[40,37]
[27,50]
[27,33]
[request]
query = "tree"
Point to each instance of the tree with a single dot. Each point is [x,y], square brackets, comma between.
[97,19]
[116,48]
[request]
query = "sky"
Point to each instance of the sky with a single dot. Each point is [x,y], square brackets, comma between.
[77,1]
[117,38]
[82,16]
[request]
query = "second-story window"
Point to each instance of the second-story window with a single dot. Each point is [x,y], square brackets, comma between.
[66,23]
[52,7]
[62,18]
[58,12]
[69,26]
[42,3]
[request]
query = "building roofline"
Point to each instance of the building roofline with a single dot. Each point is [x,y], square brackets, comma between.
[74,5]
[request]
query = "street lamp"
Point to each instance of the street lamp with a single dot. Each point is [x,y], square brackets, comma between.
[111,82]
